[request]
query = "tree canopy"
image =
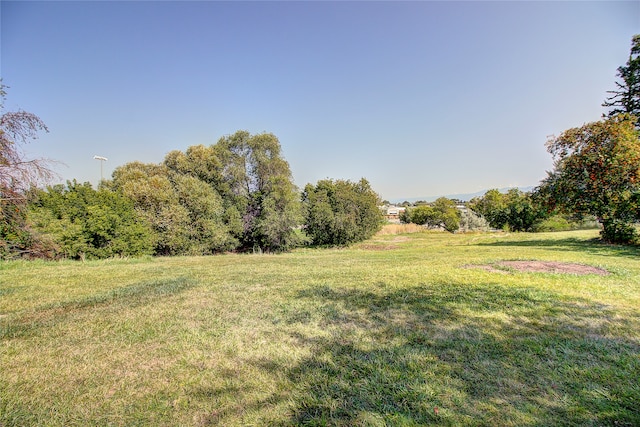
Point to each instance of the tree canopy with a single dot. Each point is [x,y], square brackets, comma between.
[257,184]
[514,210]
[597,172]
[236,194]
[442,213]
[341,212]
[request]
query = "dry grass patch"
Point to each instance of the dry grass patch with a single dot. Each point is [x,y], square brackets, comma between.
[541,267]
[393,229]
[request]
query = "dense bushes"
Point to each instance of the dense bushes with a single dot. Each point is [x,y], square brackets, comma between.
[514,210]
[237,194]
[82,222]
[185,213]
[442,213]
[340,212]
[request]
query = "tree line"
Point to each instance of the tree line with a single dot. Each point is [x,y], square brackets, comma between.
[235,195]
[238,194]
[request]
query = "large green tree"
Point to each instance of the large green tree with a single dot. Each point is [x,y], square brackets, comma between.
[491,206]
[514,210]
[442,213]
[186,213]
[236,194]
[257,186]
[597,172]
[626,97]
[341,212]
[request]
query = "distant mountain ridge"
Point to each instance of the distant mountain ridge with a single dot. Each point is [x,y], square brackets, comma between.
[465,197]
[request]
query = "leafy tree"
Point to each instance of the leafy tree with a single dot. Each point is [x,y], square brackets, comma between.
[238,193]
[492,206]
[626,98]
[83,222]
[421,215]
[198,161]
[154,197]
[341,212]
[185,212]
[515,210]
[522,212]
[597,172]
[17,175]
[405,215]
[206,228]
[442,213]
[448,215]
[257,186]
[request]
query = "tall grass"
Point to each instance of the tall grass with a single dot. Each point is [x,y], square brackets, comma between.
[393,229]
[389,332]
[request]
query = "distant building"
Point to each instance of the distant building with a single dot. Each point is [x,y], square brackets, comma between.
[392,213]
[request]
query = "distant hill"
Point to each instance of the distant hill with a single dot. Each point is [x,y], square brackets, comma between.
[464,197]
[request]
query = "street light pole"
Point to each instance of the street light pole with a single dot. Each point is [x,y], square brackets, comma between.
[102,160]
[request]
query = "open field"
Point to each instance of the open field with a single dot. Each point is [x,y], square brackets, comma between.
[401,330]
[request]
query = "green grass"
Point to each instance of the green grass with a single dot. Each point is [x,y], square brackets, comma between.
[393,331]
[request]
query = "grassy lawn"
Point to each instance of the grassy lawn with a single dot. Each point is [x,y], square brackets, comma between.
[394,331]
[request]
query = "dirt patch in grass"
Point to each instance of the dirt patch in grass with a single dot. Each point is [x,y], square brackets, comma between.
[541,267]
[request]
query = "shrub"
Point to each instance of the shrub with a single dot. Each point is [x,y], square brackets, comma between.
[470,221]
[341,212]
[80,221]
[619,231]
[554,223]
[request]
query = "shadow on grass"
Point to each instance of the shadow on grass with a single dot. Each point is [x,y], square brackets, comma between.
[463,355]
[133,295]
[592,246]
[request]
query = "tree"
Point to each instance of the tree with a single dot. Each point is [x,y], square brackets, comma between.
[238,193]
[492,206]
[198,161]
[258,189]
[83,222]
[421,215]
[626,99]
[17,175]
[185,212]
[597,172]
[442,213]
[448,215]
[514,211]
[470,221]
[341,212]
[521,211]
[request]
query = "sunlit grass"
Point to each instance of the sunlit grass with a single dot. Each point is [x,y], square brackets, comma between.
[392,331]
[393,229]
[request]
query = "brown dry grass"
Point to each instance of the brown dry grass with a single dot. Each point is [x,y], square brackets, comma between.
[393,229]
[542,267]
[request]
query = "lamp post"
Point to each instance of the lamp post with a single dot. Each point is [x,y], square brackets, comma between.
[102,160]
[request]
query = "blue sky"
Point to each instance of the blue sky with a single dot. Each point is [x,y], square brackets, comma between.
[421,98]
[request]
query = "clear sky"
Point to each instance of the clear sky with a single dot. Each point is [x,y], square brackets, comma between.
[421,98]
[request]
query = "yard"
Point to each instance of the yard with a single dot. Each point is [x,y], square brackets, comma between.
[402,330]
